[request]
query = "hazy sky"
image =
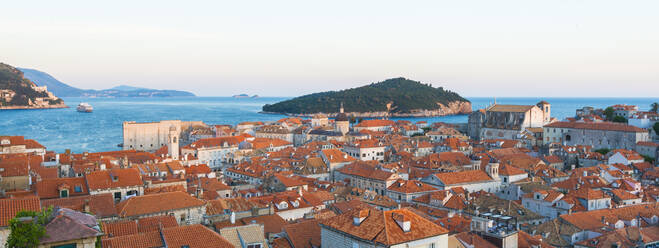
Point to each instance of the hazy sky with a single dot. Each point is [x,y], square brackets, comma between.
[288,48]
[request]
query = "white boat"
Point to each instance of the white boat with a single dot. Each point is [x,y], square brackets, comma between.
[85,107]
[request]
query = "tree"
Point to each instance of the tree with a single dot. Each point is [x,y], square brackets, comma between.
[603,151]
[619,119]
[608,112]
[27,228]
[656,128]
[655,107]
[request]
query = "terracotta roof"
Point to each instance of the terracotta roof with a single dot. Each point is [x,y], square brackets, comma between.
[304,234]
[365,170]
[99,180]
[337,156]
[381,228]
[605,126]
[591,220]
[411,186]
[375,123]
[101,205]
[262,143]
[216,142]
[271,223]
[474,240]
[463,177]
[149,224]
[120,228]
[507,170]
[66,224]
[510,108]
[193,236]
[50,187]
[10,207]
[156,203]
[215,207]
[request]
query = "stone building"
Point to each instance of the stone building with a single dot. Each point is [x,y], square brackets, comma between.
[598,135]
[500,121]
[151,136]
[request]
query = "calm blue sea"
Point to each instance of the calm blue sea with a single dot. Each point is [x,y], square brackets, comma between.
[60,129]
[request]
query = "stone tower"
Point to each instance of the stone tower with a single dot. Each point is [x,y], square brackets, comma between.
[546,111]
[172,143]
[493,170]
[341,122]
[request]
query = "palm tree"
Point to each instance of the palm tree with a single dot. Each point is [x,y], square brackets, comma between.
[655,107]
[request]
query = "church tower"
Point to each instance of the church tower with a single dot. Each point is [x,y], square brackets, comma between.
[341,122]
[492,169]
[546,111]
[172,143]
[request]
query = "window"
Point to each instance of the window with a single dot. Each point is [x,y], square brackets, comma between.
[254,246]
[64,193]
[432,245]
[77,189]
[355,245]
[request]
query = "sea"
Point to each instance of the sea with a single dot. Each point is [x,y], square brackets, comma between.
[101,130]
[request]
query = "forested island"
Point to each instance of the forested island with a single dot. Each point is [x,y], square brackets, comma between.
[392,97]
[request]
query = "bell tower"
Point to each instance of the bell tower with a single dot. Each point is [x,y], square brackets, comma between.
[173,143]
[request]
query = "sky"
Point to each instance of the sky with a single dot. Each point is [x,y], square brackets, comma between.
[553,48]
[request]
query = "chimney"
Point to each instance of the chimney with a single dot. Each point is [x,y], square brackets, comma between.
[299,190]
[86,207]
[603,220]
[233,217]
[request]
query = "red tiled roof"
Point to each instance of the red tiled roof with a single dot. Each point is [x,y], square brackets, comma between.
[10,207]
[304,234]
[99,180]
[50,188]
[156,203]
[462,177]
[380,227]
[411,186]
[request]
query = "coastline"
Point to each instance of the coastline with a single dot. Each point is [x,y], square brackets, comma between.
[58,106]
[453,108]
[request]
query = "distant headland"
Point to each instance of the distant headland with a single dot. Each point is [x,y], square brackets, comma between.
[63,90]
[396,97]
[18,92]
[244,96]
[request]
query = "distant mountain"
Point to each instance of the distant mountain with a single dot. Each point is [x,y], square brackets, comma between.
[44,79]
[18,92]
[64,90]
[127,88]
[392,97]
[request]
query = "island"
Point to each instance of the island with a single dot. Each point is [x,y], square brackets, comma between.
[64,90]
[244,96]
[396,97]
[18,92]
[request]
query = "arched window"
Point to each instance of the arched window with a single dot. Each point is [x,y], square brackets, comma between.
[568,137]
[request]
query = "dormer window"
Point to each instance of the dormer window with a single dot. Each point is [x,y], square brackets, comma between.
[64,193]
[77,189]
[403,221]
[359,217]
[5,142]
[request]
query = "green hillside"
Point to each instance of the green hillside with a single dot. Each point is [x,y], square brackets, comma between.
[12,79]
[404,94]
